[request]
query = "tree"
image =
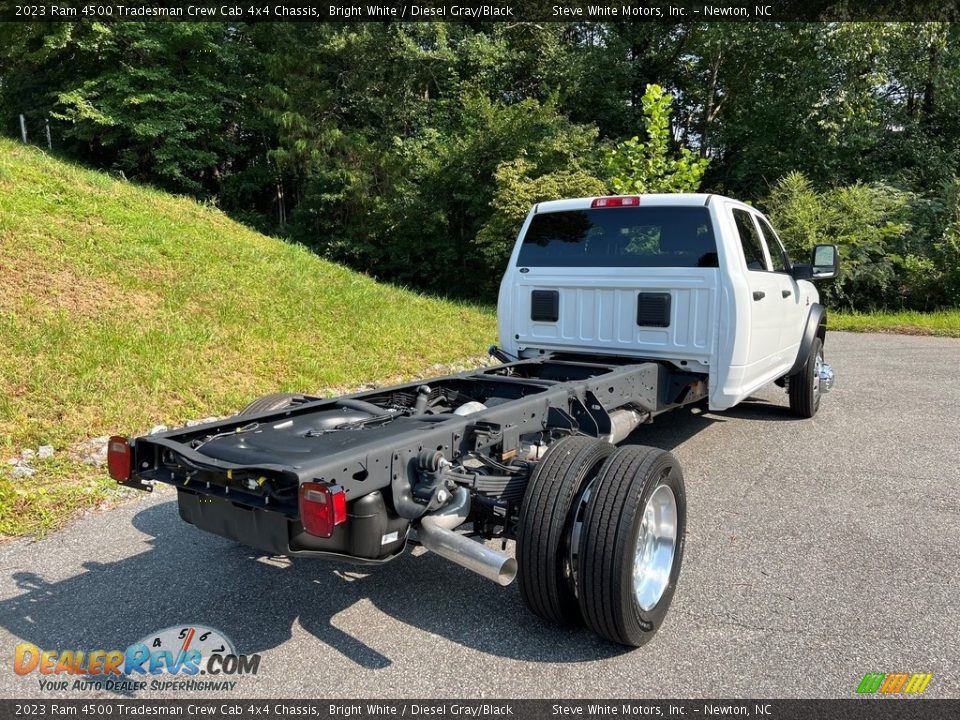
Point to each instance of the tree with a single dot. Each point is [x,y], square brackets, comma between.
[870,224]
[798,213]
[395,134]
[635,167]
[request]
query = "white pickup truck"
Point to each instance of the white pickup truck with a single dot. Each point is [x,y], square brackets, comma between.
[613,310]
[701,281]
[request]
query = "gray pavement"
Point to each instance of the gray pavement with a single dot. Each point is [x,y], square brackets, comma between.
[816,551]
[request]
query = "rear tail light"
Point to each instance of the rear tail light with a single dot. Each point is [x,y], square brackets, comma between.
[119,458]
[618,201]
[322,507]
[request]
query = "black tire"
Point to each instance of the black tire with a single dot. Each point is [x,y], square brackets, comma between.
[805,385]
[270,403]
[545,582]
[608,544]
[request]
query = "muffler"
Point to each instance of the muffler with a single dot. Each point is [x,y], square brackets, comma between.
[624,421]
[435,533]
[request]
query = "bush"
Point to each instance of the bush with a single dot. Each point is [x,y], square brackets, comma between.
[872,226]
[944,279]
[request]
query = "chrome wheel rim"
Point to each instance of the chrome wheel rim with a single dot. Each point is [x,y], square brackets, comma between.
[656,547]
[817,367]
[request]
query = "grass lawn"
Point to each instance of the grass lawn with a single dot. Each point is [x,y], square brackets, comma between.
[945,323]
[123,307]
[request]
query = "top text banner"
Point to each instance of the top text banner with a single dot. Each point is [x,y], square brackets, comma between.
[678,11]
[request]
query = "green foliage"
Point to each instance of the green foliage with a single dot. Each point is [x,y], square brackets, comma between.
[395,148]
[870,224]
[797,212]
[634,167]
[399,178]
[169,103]
[939,279]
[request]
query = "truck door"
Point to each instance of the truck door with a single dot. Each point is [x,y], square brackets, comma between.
[793,308]
[764,352]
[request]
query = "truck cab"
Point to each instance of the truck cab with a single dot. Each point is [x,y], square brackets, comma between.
[701,281]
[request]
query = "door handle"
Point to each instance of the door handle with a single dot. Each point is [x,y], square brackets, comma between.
[759,295]
[786,293]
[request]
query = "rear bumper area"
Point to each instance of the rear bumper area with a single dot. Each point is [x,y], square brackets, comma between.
[369,537]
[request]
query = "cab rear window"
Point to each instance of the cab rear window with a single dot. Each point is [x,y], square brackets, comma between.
[621,237]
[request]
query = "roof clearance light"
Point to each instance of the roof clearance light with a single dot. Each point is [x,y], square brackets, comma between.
[616,201]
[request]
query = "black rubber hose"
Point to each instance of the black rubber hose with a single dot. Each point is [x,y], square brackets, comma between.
[500,355]
[361,406]
[423,397]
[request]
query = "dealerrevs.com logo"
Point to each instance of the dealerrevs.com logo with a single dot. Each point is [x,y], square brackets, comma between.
[900,683]
[180,658]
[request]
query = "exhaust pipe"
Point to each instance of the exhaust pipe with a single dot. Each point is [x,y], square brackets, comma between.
[624,421]
[436,535]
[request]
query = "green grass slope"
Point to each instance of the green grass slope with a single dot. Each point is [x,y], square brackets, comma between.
[122,307]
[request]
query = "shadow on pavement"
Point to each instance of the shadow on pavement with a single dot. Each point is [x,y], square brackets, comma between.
[674,428]
[754,408]
[191,577]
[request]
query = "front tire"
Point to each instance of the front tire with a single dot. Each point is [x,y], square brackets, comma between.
[544,578]
[805,391]
[631,544]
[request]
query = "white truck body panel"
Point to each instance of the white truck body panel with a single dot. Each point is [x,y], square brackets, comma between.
[598,313]
[716,327]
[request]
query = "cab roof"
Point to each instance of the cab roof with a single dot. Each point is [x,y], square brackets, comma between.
[652,199]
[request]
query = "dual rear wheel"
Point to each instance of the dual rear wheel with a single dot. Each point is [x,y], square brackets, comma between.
[600,538]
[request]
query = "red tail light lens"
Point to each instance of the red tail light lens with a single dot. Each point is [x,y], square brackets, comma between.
[322,508]
[621,201]
[119,458]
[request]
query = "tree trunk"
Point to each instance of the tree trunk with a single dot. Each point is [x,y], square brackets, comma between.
[929,88]
[711,107]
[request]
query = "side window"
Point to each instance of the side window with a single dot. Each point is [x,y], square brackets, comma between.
[749,240]
[778,256]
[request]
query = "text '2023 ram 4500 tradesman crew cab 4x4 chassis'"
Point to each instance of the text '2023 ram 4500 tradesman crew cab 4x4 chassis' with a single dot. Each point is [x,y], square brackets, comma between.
[611,311]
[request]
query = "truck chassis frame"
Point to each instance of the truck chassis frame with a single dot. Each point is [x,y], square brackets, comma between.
[547,397]
[434,457]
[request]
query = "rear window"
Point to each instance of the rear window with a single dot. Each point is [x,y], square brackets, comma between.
[621,237]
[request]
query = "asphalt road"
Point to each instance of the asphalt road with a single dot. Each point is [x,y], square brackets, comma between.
[817,551]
